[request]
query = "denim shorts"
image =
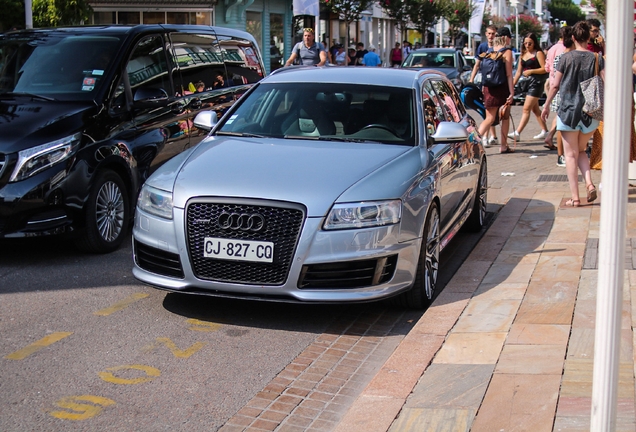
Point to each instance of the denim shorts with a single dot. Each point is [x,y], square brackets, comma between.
[579,127]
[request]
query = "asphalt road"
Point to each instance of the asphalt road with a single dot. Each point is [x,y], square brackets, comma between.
[86,347]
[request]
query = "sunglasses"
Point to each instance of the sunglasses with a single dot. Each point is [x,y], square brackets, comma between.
[308,30]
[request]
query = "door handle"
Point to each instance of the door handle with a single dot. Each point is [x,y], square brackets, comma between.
[195,104]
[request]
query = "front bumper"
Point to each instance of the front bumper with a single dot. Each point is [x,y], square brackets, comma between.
[380,265]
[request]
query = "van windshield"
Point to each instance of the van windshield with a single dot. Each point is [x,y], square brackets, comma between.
[56,65]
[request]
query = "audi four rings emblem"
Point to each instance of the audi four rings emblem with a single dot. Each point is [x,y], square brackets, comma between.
[242,221]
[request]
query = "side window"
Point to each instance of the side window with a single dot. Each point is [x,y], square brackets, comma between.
[242,60]
[148,65]
[433,112]
[446,100]
[200,63]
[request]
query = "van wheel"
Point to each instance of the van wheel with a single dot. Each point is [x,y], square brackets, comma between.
[422,292]
[106,216]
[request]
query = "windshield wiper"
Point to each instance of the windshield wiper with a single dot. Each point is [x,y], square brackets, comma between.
[242,134]
[344,139]
[31,95]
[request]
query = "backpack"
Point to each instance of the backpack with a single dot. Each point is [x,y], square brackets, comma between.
[493,68]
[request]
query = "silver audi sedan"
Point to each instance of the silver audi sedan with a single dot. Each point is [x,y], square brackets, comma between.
[320,185]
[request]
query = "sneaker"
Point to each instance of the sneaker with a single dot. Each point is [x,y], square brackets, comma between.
[541,135]
[492,141]
[561,161]
[484,142]
[514,135]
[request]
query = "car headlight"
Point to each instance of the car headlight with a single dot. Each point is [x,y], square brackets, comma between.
[363,214]
[155,201]
[33,160]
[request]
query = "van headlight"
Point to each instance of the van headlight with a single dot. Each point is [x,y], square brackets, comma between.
[155,201]
[36,159]
[363,214]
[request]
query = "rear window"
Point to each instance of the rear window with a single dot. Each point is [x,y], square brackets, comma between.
[61,66]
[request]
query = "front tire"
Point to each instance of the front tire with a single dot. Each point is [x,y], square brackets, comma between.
[106,216]
[477,218]
[422,292]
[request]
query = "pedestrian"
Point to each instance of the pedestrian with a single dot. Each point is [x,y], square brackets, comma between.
[532,67]
[484,47]
[596,43]
[406,49]
[360,53]
[371,58]
[498,96]
[575,126]
[396,56]
[342,59]
[564,45]
[308,52]
[352,56]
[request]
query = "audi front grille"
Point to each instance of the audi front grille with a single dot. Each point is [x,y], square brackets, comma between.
[244,220]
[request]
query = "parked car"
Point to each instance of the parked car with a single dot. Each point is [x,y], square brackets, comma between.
[317,186]
[450,62]
[88,113]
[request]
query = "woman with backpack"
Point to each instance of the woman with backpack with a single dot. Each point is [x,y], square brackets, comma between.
[532,67]
[496,67]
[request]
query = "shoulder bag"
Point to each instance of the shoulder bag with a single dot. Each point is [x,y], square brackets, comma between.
[593,93]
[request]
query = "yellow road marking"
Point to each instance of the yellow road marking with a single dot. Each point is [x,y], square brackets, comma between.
[150,371]
[37,346]
[173,348]
[203,326]
[121,305]
[84,411]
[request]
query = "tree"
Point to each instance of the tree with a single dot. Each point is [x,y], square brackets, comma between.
[527,24]
[599,5]
[398,10]
[54,13]
[458,14]
[566,10]
[12,14]
[348,10]
[425,14]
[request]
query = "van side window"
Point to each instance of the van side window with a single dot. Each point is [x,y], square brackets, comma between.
[148,66]
[200,63]
[242,60]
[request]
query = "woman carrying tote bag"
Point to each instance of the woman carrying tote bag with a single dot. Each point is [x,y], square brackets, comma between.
[576,126]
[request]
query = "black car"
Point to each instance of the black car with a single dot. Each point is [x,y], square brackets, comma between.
[450,62]
[88,113]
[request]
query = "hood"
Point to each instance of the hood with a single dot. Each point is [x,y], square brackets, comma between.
[314,173]
[449,72]
[26,122]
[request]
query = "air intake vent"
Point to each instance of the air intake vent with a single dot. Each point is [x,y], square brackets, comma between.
[158,261]
[347,275]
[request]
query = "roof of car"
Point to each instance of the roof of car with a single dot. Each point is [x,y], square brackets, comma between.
[392,77]
[444,50]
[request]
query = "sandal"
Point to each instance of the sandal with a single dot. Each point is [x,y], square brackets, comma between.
[507,150]
[550,146]
[591,193]
[572,203]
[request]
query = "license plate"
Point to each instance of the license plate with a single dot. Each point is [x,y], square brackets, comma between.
[239,250]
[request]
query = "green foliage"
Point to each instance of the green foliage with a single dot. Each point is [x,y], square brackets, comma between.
[397,10]
[348,10]
[599,5]
[566,10]
[527,24]
[458,14]
[426,13]
[54,13]
[12,14]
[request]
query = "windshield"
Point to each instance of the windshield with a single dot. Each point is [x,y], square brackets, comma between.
[435,59]
[55,65]
[334,112]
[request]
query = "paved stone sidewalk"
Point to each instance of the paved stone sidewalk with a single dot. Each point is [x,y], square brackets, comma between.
[517,320]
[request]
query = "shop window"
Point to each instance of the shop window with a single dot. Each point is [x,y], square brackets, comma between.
[254,26]
[128,18]
[276,43]
[105,18]
[154,17]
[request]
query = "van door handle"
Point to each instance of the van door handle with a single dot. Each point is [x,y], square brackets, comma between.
[195,104]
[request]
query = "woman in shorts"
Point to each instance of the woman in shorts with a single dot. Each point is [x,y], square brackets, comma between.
[532,67]
[576,127]
[499,96]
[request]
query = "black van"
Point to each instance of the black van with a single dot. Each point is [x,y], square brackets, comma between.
[88,113]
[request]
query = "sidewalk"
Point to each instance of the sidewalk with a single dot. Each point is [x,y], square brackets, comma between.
[509,343]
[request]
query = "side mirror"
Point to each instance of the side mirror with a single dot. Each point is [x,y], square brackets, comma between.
[206,120]
[147,97]
[450,131]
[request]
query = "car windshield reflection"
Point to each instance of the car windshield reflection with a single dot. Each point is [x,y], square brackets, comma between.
[55,65]
[344,112]
[433,59]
